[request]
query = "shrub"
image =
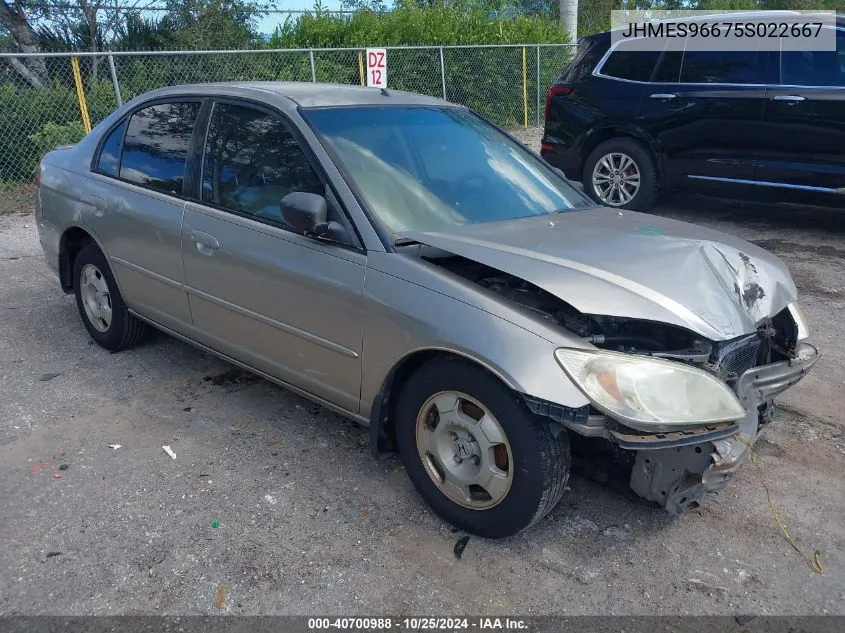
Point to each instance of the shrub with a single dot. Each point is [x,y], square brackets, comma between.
[53,135]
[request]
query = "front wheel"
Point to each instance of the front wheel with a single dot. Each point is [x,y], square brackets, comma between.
[621,173]
[474,451]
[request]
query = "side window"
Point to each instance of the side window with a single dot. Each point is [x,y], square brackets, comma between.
[814,68]
[630,64]
[669,67]
[109,161]
[723,67]
[251,161]
[155,149]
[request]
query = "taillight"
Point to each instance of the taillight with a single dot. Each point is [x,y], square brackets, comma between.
[553,92]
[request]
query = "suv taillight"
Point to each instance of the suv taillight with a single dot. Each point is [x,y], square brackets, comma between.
[553,92]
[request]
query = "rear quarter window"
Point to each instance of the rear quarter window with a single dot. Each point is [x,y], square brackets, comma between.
[631,65]
[589,54]
[109,160]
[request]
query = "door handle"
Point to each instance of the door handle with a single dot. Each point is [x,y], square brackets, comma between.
[789,98]
[664,96]
[206,243]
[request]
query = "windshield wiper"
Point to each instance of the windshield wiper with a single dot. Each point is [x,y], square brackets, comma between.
[405,241]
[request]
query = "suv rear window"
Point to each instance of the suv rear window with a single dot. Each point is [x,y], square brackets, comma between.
[632,65]
[590,51]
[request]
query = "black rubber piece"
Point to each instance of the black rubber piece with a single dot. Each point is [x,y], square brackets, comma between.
[541,458]
[646,197]
[125,330]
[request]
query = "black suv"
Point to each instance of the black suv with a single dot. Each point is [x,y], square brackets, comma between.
[771,124]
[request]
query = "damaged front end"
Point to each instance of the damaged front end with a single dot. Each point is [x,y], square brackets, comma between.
[679,466]
[682,472]
[728,387]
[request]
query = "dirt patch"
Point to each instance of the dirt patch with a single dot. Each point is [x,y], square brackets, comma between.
[528,136]
[784,247]
[19,198]
[808,281]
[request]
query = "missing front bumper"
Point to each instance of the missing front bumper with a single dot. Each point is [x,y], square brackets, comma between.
[682,476]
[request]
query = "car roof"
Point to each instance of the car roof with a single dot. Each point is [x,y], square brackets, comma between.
[305,94]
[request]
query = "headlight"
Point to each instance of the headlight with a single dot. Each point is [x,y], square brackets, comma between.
[650,394]
[800,319]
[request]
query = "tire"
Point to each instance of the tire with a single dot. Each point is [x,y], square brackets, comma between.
[641,161]
[121,330]
[535,459]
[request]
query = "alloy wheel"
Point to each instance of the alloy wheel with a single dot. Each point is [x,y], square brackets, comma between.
[616,179]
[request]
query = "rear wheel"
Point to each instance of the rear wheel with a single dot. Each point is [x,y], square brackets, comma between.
[474,451]
[621,173]
[100,303]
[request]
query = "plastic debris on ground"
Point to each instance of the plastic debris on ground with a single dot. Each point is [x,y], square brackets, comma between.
[460,546]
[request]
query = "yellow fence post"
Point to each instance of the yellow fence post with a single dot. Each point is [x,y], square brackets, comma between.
[80,94]
[361,66]
[524,89]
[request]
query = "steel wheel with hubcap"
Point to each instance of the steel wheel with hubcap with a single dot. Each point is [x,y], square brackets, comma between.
[100,304]
[475,452]
[464,450]
[616,179]
[96,298]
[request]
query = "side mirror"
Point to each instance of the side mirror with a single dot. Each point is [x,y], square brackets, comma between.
[305,212]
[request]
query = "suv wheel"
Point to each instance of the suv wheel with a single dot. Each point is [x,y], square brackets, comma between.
[474,451]
[620,173]
[100,304]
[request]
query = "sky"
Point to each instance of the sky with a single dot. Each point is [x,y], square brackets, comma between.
[267,24]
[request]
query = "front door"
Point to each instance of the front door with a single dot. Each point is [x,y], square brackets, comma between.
[286,304]
[804,123]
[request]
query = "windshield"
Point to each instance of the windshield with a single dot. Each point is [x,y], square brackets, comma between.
[420,168]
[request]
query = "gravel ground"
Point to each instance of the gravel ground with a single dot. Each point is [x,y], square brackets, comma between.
[307,522]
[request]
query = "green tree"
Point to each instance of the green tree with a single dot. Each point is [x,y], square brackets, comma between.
[210,24]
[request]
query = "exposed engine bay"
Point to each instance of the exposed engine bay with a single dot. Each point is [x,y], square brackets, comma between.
[675,469]
[773,341]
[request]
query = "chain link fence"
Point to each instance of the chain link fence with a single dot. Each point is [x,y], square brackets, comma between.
[45,102]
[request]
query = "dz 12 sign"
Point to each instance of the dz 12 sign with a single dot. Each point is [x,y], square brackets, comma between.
[376,68]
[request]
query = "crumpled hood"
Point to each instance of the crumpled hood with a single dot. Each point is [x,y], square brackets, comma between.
[602,261]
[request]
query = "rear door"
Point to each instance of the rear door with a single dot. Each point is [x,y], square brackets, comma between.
[804,122]
[286,304]
[705,111]
[135,201]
